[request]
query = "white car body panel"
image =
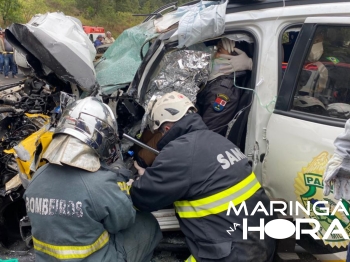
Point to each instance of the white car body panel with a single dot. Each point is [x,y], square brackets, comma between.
[290,144]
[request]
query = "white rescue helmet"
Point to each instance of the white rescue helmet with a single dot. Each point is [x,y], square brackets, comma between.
[171,107]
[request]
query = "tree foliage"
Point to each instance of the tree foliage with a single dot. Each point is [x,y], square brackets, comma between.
[9,10]
[113,15]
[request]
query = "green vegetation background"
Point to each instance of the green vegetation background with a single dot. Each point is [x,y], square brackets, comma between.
[113,15]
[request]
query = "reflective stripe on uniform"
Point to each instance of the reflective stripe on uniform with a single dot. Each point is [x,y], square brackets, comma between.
[124,187]
[218,202]
[191,259]
[71,252]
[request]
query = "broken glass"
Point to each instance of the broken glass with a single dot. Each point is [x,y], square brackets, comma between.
[122,59]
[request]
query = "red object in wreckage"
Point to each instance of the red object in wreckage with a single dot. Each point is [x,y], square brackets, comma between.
[93,29]
[313,66]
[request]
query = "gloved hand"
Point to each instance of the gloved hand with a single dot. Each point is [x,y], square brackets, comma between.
[120,168]
[337,174]
[229,45]
[239,62]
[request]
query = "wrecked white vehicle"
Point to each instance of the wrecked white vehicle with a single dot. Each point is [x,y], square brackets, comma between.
[294,101]
[284,122]
[57,57]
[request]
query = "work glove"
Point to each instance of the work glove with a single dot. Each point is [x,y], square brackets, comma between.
[229,45]
[238,62]
[337,174]
[119,168]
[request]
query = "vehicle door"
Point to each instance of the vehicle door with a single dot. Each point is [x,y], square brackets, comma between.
[311,109]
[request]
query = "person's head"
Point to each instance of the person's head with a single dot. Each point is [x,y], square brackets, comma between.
[225,46]
[93,123]
[317,47]
[319,37]
[169,109]
[108,34]
[100,37]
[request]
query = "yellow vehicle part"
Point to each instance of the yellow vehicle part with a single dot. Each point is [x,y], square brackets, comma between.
[29,151]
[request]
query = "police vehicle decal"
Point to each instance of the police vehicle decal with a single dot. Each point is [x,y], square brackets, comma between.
[309,188]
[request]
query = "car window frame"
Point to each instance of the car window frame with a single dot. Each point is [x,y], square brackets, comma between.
[170,45]
[279,66]
[290,80]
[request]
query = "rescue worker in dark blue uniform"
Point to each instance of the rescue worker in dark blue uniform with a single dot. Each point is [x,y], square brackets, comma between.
[78,205]
[218,100]
[200,172]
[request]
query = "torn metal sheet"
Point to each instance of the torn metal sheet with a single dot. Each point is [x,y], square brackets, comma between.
[14,183]
[65,100]
[169,20]
[56,45]
[22,153]
[28,152]
[126,144]
[240,37]
[183,71]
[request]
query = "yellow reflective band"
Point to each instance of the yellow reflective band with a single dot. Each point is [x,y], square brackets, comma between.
[124,187]
[218,202]
[71,252]
[191,259]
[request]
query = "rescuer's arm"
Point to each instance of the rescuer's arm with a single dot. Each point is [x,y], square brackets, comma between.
[342,142]
[337,173]
[167,180]
[112,206]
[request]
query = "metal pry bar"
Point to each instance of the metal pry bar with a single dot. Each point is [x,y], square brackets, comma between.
[137,142]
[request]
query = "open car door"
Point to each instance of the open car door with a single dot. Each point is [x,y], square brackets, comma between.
[311,110]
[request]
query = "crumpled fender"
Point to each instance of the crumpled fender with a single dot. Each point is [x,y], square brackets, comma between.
[29,151]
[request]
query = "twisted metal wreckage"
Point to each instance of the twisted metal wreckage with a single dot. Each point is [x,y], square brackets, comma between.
[57,57]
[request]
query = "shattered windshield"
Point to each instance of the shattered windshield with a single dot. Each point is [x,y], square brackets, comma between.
[122,59]
[194,23]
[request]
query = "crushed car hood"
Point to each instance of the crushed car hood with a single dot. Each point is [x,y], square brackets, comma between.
[56,47]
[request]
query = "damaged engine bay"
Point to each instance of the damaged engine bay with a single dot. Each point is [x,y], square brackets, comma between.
[30,109]
[25,107]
